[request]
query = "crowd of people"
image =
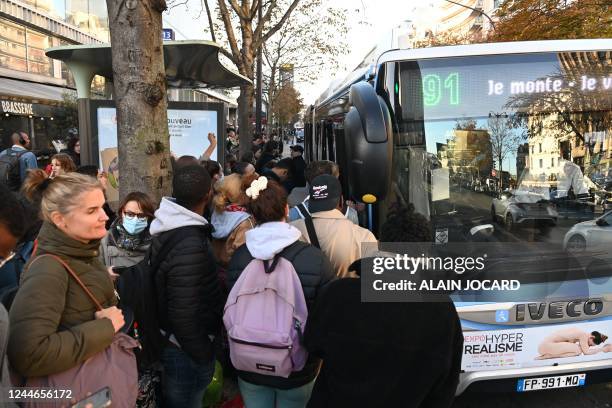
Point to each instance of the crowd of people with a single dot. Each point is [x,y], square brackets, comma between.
[264,242]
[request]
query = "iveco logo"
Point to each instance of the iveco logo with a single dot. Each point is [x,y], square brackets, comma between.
[559,310]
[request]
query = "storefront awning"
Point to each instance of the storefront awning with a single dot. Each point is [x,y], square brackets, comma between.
[32,90]
[189,64]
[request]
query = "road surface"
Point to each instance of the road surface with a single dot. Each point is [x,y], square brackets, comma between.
[594,396]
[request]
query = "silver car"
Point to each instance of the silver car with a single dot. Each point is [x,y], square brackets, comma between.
[521,207]
[590,235]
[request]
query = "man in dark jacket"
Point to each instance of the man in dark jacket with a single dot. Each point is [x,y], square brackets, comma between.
[268,154]
[190,301]
[299,166]
[385,354]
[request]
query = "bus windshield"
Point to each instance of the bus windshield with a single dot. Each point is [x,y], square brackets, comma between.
[521,141]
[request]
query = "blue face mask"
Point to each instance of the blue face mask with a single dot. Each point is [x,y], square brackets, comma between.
[134,225]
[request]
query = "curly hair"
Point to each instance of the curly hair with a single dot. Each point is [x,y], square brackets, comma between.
[65,161]
[403,224]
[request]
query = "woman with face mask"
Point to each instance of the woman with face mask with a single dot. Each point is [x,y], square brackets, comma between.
[128,238]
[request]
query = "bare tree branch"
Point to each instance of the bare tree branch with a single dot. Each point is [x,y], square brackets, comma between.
[231,37]
[176,3]
[210,22]
[238,9]
[282,21]
[254,8]
[228,55]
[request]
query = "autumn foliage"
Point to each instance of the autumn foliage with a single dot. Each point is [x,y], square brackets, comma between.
[524,20]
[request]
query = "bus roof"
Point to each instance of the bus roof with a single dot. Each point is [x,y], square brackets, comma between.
[517,47]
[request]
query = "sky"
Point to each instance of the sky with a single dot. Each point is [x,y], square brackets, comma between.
[368,22]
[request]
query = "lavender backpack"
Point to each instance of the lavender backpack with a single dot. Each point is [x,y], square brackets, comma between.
[265,315]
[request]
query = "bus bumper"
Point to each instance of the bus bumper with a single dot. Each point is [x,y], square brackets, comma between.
[506,380]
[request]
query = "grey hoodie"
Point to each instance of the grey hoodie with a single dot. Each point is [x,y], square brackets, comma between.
[171,216]
[226,221]
[270,238]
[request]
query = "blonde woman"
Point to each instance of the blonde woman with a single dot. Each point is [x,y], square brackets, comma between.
[54,324]
[230,217]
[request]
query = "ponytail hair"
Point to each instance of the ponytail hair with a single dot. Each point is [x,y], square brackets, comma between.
[61,194]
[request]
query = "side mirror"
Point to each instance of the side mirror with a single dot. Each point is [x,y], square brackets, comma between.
[602,222]
[368,139]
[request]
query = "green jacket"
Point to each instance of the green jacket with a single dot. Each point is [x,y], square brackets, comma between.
[53,327]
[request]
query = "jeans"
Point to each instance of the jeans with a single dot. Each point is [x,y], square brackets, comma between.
[259,396]
[183,380]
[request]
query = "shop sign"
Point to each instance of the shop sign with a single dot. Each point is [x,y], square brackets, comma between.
[17,108]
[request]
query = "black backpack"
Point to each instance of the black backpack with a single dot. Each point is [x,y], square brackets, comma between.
[9,169]
[138,292]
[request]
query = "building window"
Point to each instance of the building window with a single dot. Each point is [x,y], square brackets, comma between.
[12,46]
[38,62]
[540,147]
[552,162]
[541,163]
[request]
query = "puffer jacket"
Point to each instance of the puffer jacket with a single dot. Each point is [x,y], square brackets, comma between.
[313,269]
[190,300]
[53,327]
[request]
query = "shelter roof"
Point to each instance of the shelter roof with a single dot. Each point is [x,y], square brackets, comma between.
[189,64]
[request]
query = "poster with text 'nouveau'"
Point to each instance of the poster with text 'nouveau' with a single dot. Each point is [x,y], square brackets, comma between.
[537,346]
[188,129]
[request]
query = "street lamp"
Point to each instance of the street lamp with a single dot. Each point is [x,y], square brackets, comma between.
[476,10]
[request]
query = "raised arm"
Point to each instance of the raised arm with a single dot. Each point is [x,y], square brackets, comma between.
[211,148]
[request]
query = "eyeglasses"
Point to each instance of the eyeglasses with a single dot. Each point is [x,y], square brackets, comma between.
[140,216]
[8,258]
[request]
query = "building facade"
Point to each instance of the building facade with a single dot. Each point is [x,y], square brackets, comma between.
[35,91]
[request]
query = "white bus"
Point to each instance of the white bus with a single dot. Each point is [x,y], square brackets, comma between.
[516,135]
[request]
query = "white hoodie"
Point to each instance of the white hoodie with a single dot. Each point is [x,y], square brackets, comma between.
[171,216]
[270,238]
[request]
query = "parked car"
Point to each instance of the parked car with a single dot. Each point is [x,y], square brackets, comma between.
[590,235]
[516,208]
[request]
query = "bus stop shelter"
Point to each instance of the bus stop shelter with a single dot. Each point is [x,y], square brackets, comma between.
[188,64]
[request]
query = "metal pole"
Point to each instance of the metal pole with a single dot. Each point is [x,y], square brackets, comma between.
[476,10]
[259,78]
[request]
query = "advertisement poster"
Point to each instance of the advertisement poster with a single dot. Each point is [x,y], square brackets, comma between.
[188,129]
[537,346]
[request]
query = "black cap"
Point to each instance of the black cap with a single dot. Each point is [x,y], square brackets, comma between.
[297,148]
[325,193]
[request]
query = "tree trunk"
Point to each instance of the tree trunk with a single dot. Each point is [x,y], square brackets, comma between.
[271,96]
[247,92]
[245,110]
[140,95]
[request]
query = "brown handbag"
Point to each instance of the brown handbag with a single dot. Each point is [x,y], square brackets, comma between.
[115,367]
